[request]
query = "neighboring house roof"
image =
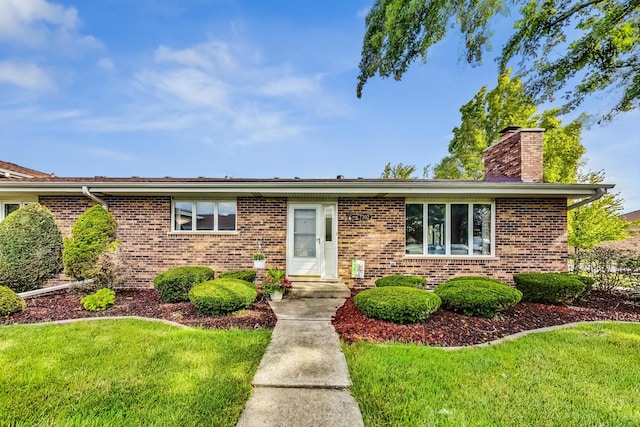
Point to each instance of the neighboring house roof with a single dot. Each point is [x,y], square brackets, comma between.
[11,170]
[631,216]
[277,187]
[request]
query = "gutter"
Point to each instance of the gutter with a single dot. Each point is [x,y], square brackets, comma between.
[86,192]
[598,194]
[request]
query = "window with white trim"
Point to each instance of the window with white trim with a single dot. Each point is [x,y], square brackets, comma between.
[204,215]
[10,206]
[449,228]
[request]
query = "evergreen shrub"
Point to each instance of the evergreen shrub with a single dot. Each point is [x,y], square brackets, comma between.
[174,284]
[398,304]
[222,296]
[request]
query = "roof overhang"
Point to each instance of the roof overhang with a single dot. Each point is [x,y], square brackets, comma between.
[307,188]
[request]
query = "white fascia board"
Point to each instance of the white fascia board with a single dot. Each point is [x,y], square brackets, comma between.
[389,189]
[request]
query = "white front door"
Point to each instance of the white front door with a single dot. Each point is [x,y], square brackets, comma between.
[305,245]
[312,240]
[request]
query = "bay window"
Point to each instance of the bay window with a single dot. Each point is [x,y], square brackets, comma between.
[451,228]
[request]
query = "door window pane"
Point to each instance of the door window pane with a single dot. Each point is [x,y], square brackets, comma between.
[227,216]
[204,215]
[183,216]
[482,229]
[414,230]
[304,233]
[436,233]
[459,229]
[328,229]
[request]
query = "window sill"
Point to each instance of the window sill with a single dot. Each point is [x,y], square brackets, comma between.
[456,257]
[200,233]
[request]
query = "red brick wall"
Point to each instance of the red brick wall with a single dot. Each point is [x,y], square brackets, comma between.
[144,225]
[517,156]
[530,236]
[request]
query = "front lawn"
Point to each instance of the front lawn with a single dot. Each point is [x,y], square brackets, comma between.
[587,375]
[126,373]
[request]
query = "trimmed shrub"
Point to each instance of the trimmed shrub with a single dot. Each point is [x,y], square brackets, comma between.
[488,279]
[174,284]
[477,297]
[548,288]
[246,275]
[401,280]
[587,280]
[92,235]
[30,248]
[100,300]
[222,296]
[398,304]
[10,302]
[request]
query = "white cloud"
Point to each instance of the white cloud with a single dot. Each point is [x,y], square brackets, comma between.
[106,153]
[362,13]
[106,63]
[25,75]
[210,55]
[292,86]
[38,23]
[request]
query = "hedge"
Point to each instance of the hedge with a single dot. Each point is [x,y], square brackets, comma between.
[92,235]
[477,296]
[10,302]
[488,279]
[549,288]
[401,280]
[30,248]
[174,284]
[246,275]
[222,296]
[398,304]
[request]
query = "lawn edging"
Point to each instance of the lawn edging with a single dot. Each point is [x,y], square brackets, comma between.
[515,336]
[85,319]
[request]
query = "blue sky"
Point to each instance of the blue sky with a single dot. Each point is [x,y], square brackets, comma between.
[239,88]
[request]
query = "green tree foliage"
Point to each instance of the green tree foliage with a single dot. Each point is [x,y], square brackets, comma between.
[599,221]
[558,42]
[508,104]
[92,235]
[399,171]
[30,248]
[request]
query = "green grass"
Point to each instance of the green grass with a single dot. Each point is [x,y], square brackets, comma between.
[125,373]
[583,376]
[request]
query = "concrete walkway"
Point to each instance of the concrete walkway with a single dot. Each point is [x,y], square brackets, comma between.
[303,379]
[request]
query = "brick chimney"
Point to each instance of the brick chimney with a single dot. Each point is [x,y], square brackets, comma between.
[517,156]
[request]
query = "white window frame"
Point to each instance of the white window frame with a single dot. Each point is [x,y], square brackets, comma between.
[448,204]
[22,204]
[194,213]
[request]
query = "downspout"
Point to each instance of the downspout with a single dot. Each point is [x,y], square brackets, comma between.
[86,192]
[599,193]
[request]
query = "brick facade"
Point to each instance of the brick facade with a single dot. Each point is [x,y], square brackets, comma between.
[531,235]
[516,156]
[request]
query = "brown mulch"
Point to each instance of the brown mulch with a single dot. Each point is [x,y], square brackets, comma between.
[445,328]
[140,302]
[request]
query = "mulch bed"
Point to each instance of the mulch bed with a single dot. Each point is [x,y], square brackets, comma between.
[64,305]
[445,328]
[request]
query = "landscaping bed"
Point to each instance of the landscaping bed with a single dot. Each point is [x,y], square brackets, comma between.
[64,305]
[445,328]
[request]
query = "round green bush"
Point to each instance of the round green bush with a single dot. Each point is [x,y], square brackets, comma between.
[174,284]
[549,288]
[401,280]
[100,300]
[92,235]
[221,296]
[246,275]
[477,297]
[10,302]
[489,279]
[587,280]
[398,304]
[30,248]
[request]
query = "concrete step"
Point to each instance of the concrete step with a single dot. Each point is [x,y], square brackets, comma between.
[319,289]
